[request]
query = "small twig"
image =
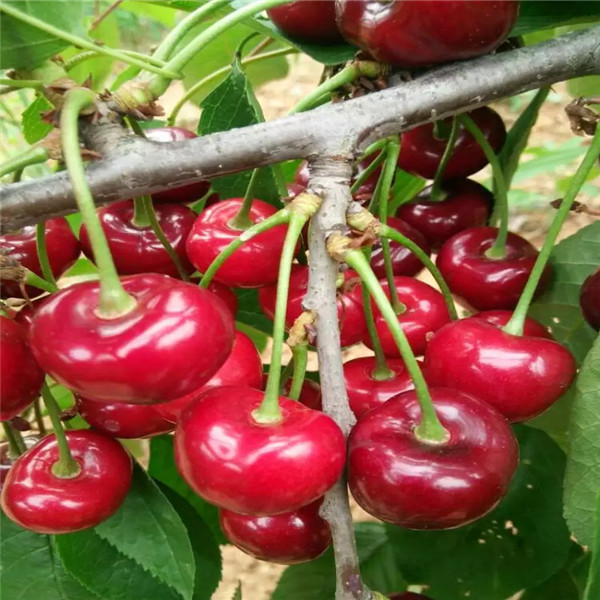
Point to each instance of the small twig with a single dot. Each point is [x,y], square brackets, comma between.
[105,14]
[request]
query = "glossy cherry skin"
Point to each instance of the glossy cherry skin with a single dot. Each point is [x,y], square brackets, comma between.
[255,263]
[172,342]
[404,262]
[61,245]
[287,539]
[500,318]
[520,376]
[353,326]
[138,249]
[589,300]
[488,283]
[417,34]
[417,485]
[21,377]
[421,152]
[307,21]
[243,367]
[36,499]
[425,313]
[466,204]
[184,193]
[232,461]
[365,392]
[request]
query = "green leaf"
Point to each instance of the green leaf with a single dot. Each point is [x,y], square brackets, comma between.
[314,580]
[238,593]
[518,545]
[148,530]
[162,467]
[405,188]
[34,129]
[592,590]
[534,16]
[250,313]
[582,481]
[584,86]
[26,47]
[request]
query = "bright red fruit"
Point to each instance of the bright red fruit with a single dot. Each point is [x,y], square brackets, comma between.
[421,152]
[61,245]
[353,326]
[226,294]
[417,34]
[520,376]
[417,485]
[38,500]
[466,204]
[256,263]
[288,538]
[138,249]
[500,318]
[425,313]
[308,21]
[236,463]
[172,342]
[488,283]
[589,300]
[20,376]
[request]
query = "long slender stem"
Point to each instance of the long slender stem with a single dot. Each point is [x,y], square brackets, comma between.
[39,418]
[436,188]
[373,166]
[42,252]
[35,280]
[31,156]
[517,321]
[140,214]
[20,84]
[71,63]
[15,442]
[242,221]
[299,361]
[114,300]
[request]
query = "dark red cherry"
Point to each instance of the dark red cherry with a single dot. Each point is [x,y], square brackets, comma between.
[310,394]
[353,326]
[256,263]
[179,194]
[307,21]
[425,313]
[243,367]
[61,245]
[138,249]
[288,538]
[404,262]
[500,318]
[227,295]
[520,376]
[365,392]
[236,463]
[24,316]
[466,204]
[488,283]
[21,377]
[418,485]
[417,34]
[421,152]
[173,341]
[589,300]
[38,500]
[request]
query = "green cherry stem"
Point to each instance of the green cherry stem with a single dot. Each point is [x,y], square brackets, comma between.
[517,321]
[80,58]
[242,221]
[140,214]
[42,252]
[35,280]
[20,84]
[16,444]
[31,156]
[286,373]
[436,189]
[114,300]
[300,360]
[39,417]
[373,166]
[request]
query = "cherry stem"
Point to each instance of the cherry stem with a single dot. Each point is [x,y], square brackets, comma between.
[300,360]
[66,466]
[517,321]
[199,205]
[396,236]
[80,58]
[42,252]
[114,300]
[20,84]
[140,218]
[15,441]
[242,221]
[373,166]
[279,218]
[498,248]
[437,193]
[35,280]
[31,156]
[374,147]
[39,418]
[429,429]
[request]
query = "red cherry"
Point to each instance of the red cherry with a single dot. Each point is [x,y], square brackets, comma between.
[416,34]
[20,376]
[24,316]
[417,485]
[488,283]
[467,204]
[256,263]
[310,394]
[352,319]
[520,376]
[61,245]
[288,538]
[421,152]
[6,462]
[138,249]
[404,262]
[38,500]
[308,21]
[589,300]
[172,342]
[243,367]
[365,392]
[184,193]
[500,318]
[425,313]
[236,463]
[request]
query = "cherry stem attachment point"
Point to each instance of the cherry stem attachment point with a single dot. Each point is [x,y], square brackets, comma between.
[437,193]
[42,252]
[35,280]
[242,221]
[140,214]
[16,445]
